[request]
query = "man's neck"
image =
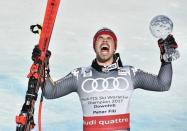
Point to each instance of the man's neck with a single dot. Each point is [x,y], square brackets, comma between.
[105,63]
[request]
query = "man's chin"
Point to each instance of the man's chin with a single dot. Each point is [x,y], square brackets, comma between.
[103,58]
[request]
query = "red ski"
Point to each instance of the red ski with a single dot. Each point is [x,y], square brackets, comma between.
[25,120]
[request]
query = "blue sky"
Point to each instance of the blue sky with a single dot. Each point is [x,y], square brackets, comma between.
[71,47]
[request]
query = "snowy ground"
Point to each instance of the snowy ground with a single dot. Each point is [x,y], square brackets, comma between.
[71,47]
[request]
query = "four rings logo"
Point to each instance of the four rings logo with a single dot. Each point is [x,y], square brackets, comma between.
[104,84]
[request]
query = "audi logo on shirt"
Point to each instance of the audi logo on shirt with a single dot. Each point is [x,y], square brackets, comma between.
[104,84]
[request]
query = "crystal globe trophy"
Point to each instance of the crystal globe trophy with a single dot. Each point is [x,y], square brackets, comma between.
[161,26]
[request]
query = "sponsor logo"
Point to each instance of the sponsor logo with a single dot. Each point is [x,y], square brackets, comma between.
[104,84]
[87,72]
[75,72]
[110,67]
[103,123]
[124,72]
[134,69]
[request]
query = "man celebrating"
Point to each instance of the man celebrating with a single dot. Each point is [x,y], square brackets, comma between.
[105,87]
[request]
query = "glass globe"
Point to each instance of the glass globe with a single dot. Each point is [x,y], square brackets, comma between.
[161,26]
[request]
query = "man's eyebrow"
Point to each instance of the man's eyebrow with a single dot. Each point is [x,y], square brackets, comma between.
[100,36]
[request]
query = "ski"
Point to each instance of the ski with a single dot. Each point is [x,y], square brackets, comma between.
[25,120]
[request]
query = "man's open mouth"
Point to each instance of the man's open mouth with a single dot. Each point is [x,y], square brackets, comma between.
[105,48]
